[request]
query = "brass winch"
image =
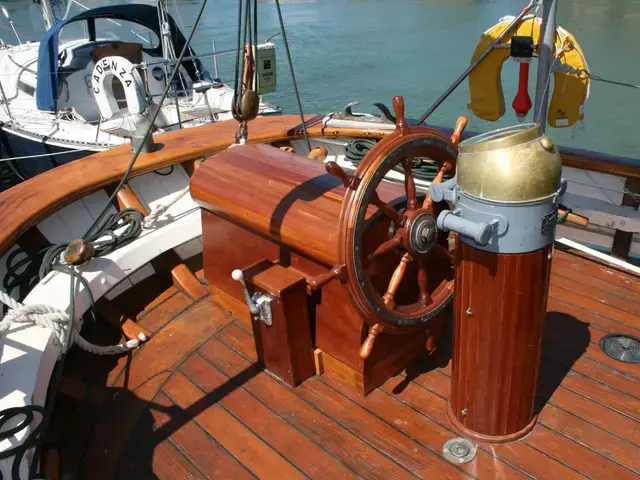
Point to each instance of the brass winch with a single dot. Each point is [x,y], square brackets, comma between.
[505,197]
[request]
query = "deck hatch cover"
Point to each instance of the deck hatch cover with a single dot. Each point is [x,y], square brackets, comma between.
[624,348]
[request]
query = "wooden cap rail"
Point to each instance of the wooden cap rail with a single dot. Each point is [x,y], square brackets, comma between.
[26,204]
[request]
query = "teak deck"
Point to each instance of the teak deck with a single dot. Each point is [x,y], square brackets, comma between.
[192,403]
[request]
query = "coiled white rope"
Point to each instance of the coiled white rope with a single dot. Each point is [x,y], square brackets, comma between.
[57,321]
[159,210]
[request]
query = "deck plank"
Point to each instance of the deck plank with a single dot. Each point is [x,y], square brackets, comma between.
[589,266]
[160,314]
[579,405]
[518,454]
[273,429]
[232,434]
[606,444]
[590,350]
[192,403]
[584,365]
[424,429]
[602,394]
[122,410]
[597,414]
[574,455]
[440,384]
[599,322]
[177,340]
[594,306]
[605,297]
[419,460]
[168,460]
[598,355]
[566,270]
[207,454]
[357,454]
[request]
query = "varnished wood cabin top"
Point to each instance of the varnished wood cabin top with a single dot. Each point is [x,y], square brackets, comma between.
[192,403]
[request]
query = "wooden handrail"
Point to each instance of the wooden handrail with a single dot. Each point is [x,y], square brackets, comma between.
[27,204]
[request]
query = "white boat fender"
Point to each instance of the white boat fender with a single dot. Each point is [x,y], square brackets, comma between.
[128,75]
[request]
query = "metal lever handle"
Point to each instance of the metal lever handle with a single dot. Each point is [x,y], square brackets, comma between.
[238,276]
[481,233]
[443,191]
[260,304]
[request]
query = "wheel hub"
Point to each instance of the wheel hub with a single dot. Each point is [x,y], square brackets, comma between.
[422,234]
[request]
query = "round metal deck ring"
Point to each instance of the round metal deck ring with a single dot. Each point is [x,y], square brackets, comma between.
[624,348]
[459,450]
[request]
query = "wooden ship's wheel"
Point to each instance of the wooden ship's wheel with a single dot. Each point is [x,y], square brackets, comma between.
[367,250]
[419,253]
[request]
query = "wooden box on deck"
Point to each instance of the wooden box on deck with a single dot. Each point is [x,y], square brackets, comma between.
[284,347]
[337,330]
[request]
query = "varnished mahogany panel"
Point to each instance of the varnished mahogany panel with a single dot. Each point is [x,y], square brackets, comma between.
[278,195]
[263,204]
[286,346]
[500,307]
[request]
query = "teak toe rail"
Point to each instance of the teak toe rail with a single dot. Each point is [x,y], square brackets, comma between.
[26,204]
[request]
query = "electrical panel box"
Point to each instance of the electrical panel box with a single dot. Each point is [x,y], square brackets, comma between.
[266,68]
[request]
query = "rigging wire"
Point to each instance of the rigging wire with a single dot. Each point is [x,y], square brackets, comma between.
[272,36]
[624,191]
[613,82]
[153,118]
[293,75]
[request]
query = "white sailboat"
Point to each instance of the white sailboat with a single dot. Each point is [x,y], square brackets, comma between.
[94,79]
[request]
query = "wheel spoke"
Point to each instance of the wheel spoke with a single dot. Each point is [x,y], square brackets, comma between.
[396,278]
[395,242]
[409,185]
[387,209]
[444,253]
[438,179]
[425,298]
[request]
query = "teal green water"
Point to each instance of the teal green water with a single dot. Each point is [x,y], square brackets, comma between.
[371,50]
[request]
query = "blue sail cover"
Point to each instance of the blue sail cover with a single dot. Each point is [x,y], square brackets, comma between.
[146,15]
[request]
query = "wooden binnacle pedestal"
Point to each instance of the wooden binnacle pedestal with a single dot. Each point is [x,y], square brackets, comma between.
[377,275]
[506,201]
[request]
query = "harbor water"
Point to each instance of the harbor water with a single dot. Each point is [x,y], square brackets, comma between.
[370,50]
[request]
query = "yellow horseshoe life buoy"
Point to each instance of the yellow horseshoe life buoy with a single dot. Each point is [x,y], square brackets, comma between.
[571,83]
[102,86]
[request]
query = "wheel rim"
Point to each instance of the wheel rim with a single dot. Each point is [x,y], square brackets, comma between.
[417,244]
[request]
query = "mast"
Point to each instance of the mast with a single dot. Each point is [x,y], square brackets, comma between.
[545,62]
[47,14]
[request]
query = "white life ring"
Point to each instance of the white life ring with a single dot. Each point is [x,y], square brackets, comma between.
[102,86]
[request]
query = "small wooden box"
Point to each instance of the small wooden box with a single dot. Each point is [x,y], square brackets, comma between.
[285,348]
